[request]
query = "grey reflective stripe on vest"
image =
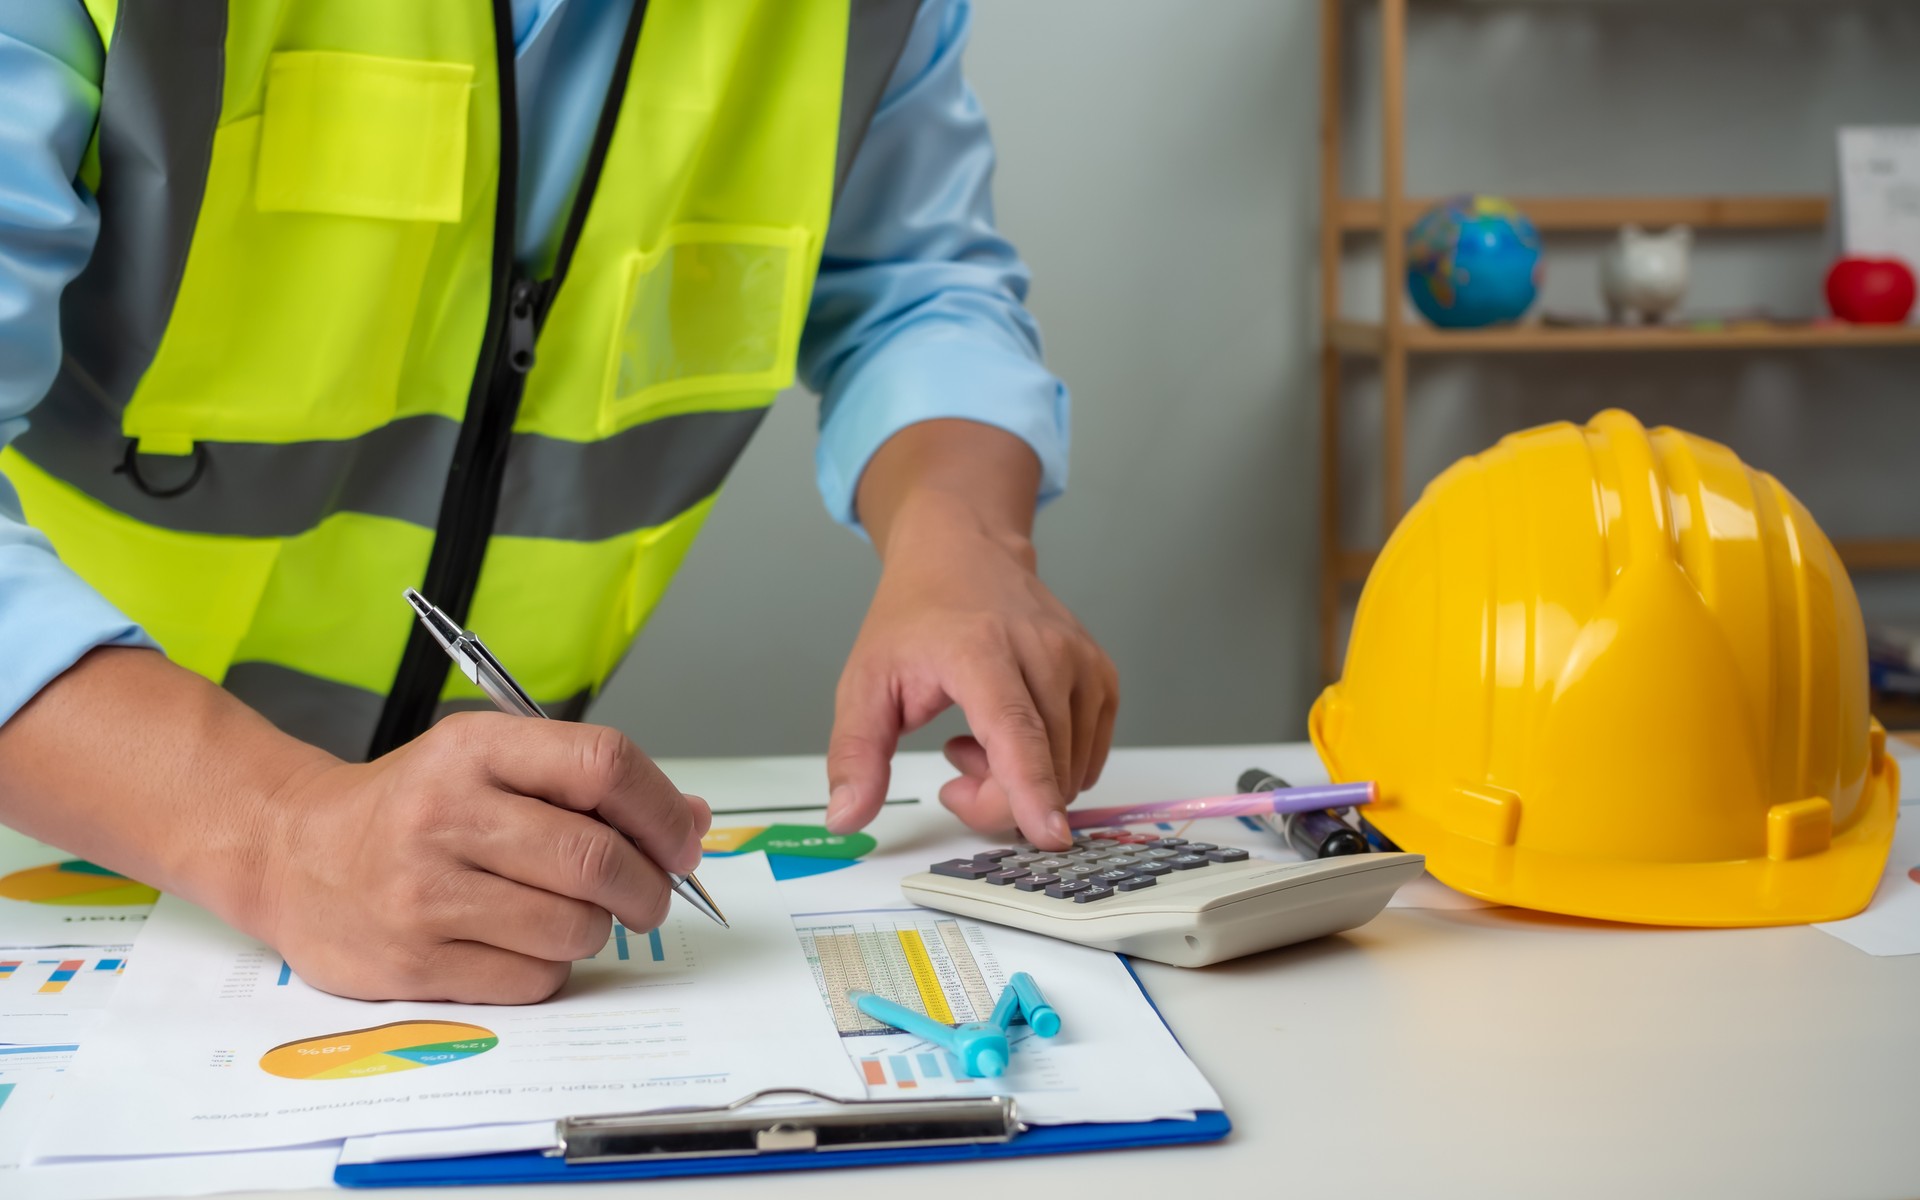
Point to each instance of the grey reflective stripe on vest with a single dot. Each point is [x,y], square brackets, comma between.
[159,105]
[573,491]
[337,717]
[876,34]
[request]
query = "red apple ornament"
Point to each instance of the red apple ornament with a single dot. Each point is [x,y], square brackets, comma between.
[1870,291]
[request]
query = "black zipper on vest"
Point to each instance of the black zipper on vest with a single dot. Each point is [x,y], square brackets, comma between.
[471,500]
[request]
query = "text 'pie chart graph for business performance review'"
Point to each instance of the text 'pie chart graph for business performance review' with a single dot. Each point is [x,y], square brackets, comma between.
[378,1050]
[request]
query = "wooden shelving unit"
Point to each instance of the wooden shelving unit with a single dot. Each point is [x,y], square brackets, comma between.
[1393,339]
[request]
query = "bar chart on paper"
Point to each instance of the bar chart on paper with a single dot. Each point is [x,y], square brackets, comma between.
[29,978]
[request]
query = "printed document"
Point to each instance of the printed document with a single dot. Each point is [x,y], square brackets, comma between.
[213,1044]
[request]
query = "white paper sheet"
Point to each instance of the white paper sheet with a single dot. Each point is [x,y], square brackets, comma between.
[212,1046]
[1112,1061]
[1890,925]
[51,898]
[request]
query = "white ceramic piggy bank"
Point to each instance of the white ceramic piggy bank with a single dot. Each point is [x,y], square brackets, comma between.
[1645,273]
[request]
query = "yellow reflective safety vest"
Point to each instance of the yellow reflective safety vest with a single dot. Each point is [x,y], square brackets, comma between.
[303,371]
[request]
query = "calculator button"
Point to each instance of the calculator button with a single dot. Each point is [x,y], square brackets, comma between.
[1101,843]
[1048,865]
[1199,847]
[1033,883]
[1187,862]
[1160,853]
[1134,883]
[1098,891]
[1002,878]
[1152,870]
[1067,888]
[1167,842]
[1227,854]
[1113,876]
[997,855]
[1078,872]
[1022,860]
[1121,860]
[963,868]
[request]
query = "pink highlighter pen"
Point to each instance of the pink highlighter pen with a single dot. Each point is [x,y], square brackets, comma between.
[1311,798]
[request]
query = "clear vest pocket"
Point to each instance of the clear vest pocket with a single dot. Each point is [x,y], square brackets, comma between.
[714,309]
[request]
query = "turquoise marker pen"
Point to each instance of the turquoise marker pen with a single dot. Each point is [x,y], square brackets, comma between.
[980,1048]
[1033,1005]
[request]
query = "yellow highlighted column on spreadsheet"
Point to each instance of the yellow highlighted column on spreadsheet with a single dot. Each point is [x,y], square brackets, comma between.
[931,994]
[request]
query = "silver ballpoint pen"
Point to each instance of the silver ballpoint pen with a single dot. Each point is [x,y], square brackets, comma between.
[477,663]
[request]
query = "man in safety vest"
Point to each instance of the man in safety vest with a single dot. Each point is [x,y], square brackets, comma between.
[311,301]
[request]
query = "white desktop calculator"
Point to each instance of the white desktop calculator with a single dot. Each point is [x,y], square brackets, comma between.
[1164,898]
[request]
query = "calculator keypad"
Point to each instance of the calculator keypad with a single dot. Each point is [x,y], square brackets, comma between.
[1099,866]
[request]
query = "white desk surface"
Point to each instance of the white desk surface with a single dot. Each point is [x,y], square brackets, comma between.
[1479,1053]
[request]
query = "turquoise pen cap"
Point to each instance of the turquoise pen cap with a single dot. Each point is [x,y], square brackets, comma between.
[1033,1006]
[1006,1010]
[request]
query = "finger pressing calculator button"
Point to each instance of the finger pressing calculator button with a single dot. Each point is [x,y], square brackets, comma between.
[1003,878]
[1134,883]
[1098,891]
[1187,862]
[1034,883]
[963,868]
[1227,854]
[1067,888]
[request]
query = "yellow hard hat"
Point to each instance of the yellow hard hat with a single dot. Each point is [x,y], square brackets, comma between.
[1618,674]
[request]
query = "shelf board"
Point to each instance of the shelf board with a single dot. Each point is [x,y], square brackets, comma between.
[1858,554]
[1368,337]
[1362,214]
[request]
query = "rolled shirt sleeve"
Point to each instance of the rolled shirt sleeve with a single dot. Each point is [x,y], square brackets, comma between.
[49,97]
[919,310]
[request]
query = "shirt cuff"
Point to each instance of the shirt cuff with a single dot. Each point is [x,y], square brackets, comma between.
[932,371]
[49,619]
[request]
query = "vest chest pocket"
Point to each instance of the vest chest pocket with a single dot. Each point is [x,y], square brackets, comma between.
[325,220]
[709,319]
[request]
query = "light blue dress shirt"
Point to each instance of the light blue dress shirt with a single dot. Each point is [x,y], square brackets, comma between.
[917,314]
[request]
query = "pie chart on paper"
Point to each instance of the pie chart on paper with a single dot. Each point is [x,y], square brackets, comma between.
[75,883]
[379,1050]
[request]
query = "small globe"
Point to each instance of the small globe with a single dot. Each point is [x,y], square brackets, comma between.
[1473,261]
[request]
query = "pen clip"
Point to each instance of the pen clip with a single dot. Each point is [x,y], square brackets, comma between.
[479,665]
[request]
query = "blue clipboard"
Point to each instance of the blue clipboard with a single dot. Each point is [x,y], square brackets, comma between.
[532,1166]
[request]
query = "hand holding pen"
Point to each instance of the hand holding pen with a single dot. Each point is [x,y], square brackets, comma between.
[478,664]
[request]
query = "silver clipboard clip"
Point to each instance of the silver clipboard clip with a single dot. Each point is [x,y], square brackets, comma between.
[833,1124]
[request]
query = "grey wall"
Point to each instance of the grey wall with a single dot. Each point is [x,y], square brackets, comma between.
[1158,171]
